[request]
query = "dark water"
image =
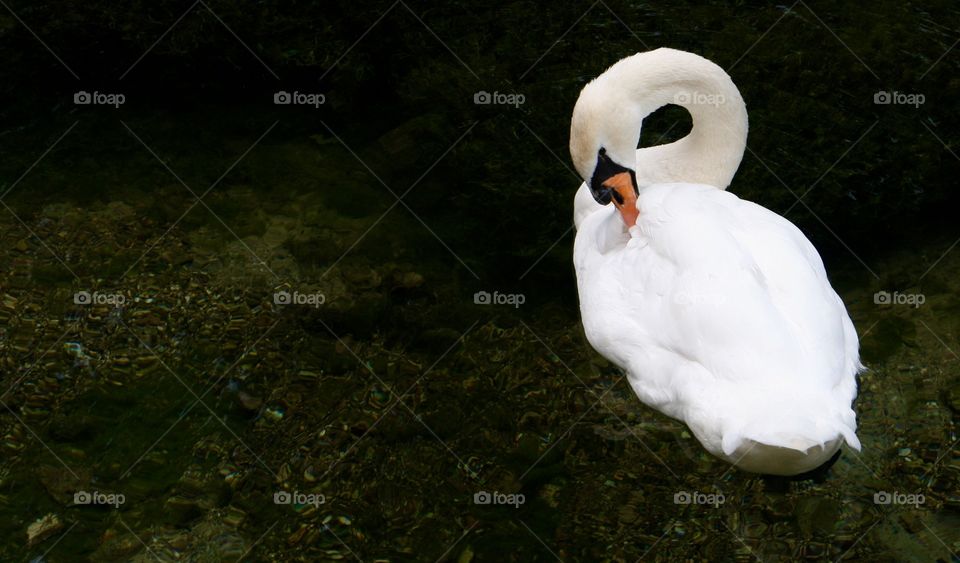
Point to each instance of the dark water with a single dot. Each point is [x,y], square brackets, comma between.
[190,406]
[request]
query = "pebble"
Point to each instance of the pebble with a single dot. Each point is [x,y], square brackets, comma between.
[43,528]
[249,402]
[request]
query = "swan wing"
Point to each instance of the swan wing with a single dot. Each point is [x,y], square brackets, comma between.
[722,315]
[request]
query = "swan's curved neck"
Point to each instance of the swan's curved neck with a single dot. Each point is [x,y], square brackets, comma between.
[613,107]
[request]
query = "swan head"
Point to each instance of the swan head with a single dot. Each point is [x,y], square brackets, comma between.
[604,134]
[609,176]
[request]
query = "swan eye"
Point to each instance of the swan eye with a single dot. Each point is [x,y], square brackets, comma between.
[602,195]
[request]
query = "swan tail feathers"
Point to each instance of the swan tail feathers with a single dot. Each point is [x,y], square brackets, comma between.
[793,426]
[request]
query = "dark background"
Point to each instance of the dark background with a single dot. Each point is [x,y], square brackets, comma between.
[493,398]
[402,94]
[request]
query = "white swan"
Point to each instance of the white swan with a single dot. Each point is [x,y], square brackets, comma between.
[718,310]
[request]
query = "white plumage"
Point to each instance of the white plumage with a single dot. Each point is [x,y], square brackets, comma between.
[719,310]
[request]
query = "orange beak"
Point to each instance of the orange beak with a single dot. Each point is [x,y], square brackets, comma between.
[624,198]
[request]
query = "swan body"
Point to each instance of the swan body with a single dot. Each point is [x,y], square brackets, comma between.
[718,310]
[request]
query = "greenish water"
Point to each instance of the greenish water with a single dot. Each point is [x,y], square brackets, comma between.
[398,398]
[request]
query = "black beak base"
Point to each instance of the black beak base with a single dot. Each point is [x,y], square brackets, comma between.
[606,168]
